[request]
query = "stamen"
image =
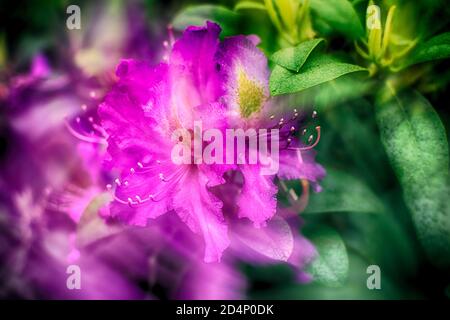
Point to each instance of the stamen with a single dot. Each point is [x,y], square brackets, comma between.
[309,141]
[83,136]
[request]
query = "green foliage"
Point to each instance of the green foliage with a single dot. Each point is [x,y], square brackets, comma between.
[353,288]
[416,143]
[330,267]
[340,16]
[293,58]
[435,48]
[249,5]
[318,69]
[343,192]
[197,15]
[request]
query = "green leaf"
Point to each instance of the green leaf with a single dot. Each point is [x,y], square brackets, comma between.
[316,70]
[343,193]
[249,5]
[294,58]
[368,234]
[340,15]
[330,266]
[416,144]
[435,48]
[355,287]
[198,15]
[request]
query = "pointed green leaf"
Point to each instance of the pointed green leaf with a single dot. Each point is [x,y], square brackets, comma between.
[416,144]
[293,58]
[436,48]
[316,70]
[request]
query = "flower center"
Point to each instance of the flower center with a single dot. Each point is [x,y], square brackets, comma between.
[250,95]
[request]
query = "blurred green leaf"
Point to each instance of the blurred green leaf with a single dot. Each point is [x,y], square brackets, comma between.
[249,5]
[294,58]
[416,144]
[198,15]
[316,70]
[343,193]
[355,287]
[341,90]
[435,48]
[340,15]
[330,266]
[369,235]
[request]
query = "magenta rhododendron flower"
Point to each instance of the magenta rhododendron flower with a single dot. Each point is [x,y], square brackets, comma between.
[225,86]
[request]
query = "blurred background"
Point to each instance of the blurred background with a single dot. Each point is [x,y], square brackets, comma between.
[365,215]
